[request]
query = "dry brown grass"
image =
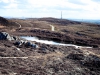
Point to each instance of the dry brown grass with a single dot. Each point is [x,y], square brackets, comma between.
[34,24]
[45,56]
[53,56]
[83,28]
[89,30]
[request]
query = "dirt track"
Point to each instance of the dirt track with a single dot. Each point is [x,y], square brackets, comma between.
[52,28]
[19,24]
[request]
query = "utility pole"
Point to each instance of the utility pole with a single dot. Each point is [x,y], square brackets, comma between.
[61,14]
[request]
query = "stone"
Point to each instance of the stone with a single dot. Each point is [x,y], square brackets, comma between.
[18,49]
[17,43]
[21,41]
[15,38]
[34,46]
[5,36]
[28,44]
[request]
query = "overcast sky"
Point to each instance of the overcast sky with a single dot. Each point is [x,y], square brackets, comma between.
[75,9]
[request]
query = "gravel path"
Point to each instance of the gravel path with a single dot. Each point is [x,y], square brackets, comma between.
[19,24]
[52,28]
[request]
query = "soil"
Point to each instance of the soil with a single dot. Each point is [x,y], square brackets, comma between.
[48,59]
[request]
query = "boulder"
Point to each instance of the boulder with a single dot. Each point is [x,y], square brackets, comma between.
[34,46]
[5,36]
[31,45]
[20,42]
[18,49]
[28,44]
[17,43]
[15,38]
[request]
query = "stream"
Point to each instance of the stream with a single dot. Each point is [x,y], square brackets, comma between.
[50,42]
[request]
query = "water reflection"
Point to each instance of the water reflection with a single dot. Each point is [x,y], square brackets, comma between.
[49,42]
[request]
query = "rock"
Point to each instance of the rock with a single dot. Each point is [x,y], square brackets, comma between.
[22,41]
[17,43]
[28,44]
[18,49]
[34,46]
[5,36]
[15,38]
